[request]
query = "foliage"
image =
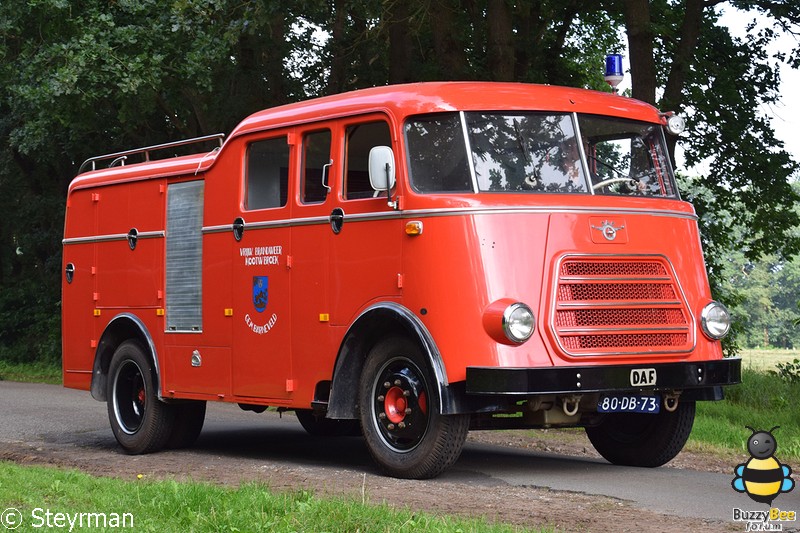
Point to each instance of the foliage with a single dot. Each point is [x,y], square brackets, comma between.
[789,372]
[89,77]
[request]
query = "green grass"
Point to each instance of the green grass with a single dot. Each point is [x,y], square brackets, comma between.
[167,505]
[762,401]
[30,372]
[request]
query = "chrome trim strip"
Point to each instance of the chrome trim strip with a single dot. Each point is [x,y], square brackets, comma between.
[600,211]
[459,211]
[470,162]
[217,229]
[407,214]
[309,221]
[611,278]
[113,237]
[620,303]
[587,179]
[617,329]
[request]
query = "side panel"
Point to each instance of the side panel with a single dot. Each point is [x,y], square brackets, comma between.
[112,274]
[191,365]
[130,278]
[262,325]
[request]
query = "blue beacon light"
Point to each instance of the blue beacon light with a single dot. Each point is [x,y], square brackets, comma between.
[614,75]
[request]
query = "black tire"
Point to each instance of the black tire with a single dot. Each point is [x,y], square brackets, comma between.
[189,419]
[399,409]
[317,425]
[634,439]
[140,421]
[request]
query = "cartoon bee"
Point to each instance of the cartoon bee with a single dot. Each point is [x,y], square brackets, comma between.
[762,477]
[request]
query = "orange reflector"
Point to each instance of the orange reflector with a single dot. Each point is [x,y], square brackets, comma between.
[228,311]
[324,317]
[159,312]
[414,227]
[96,312]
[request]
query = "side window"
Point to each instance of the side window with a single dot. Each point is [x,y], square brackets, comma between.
[267,173]
[316,166]
[361,138]
[437,154]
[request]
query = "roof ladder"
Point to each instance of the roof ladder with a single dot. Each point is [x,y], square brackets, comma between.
[119,158]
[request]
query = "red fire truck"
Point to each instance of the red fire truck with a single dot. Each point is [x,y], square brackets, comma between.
[406,262]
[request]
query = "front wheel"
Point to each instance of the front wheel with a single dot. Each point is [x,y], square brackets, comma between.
[140,421]
[635,439]
[405,433]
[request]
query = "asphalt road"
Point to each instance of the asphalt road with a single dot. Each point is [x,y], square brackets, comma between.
[36,414]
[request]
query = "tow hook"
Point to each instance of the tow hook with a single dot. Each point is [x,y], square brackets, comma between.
[575,401]
[671,400]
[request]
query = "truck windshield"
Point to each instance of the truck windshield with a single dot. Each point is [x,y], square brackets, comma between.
[538,153]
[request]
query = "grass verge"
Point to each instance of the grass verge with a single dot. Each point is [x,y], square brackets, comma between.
[30,372]
[161,506]
[762,401]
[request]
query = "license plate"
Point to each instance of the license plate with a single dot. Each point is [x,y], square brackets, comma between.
[629,404]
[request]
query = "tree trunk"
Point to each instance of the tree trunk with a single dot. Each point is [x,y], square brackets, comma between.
[337,75]
[640,44]
[400,46]
[451,56]
[500,41]
[690,33]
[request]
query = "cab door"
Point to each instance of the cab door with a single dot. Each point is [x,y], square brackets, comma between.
[260,273]
[345,244]
[365,233]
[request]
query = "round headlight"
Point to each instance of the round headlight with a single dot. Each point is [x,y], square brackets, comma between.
[716,320]
[518,322]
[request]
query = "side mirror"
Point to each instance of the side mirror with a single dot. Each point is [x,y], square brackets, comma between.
[381,168]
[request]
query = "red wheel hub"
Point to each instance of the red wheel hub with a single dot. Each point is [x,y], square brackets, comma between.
[140,396]
[395,405]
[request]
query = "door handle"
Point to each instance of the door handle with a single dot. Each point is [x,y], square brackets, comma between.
[337,220]
[238,228]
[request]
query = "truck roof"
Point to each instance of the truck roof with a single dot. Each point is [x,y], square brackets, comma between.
[398,101]
[403,100]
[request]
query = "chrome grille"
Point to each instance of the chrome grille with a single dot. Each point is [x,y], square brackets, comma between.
[620,305]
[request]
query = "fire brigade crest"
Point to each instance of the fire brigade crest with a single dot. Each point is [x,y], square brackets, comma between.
[260,293]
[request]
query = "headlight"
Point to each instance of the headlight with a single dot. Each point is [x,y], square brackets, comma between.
[518,322]
[716,321]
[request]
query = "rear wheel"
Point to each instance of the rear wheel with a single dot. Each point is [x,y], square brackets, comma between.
[140,421]
[399,407]
[635,439]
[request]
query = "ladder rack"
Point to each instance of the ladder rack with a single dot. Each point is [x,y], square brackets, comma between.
[120,157]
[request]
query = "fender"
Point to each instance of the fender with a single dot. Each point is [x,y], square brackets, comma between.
[373,324]
[122,327]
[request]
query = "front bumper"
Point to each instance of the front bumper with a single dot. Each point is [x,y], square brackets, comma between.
[601,378]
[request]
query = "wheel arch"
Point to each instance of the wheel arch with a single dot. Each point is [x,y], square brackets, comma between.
[375,323]
[122,327]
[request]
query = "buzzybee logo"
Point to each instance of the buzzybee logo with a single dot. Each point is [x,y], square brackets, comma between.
[762,477]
